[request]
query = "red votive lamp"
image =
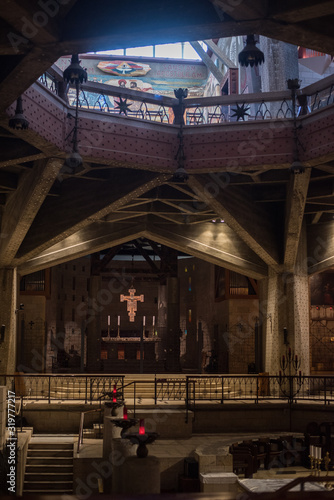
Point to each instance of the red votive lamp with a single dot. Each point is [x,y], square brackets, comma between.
[141,426]
[114,400]
[125,413]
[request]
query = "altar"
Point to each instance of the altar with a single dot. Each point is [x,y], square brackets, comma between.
[134,354]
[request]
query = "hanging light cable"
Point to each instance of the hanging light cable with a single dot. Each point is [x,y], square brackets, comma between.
[75,74]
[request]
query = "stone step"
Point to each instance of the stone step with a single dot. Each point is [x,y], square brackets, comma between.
[49,461]
[46,485]
[37,452]
[48,492]
[49,469]
[50,446]
[48,476]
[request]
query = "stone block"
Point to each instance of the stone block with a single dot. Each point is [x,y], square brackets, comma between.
[218,482]
[214,458]
[168,423]
[139,476]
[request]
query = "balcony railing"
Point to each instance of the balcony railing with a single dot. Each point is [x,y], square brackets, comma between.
[95,96]
[188,390]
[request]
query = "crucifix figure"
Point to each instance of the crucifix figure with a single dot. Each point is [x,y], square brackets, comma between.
[132,300]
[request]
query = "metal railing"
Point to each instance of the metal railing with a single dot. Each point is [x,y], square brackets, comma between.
[96,96]
[63,387]
[187,390]
[105,98]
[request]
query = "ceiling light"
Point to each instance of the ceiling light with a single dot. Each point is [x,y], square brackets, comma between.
[19,121]
[250,54]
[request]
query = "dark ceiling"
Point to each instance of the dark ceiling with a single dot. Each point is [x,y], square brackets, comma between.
[34,34]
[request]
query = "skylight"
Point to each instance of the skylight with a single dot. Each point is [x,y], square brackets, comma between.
[179,50]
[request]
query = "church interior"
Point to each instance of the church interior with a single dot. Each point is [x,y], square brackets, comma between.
[167,248]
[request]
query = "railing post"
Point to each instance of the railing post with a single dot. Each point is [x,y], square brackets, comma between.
[222,399]
[325,389]
[86,395]
[134,399]
[155,389]
[187,398]
[49,389]
[257,390]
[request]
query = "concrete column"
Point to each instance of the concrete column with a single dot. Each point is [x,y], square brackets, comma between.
[173,324]
[94,327]
[162,321]
[284,303]
[8,318]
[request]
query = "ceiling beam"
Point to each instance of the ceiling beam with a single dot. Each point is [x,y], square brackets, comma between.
[80,204]
[101,264]
[242,215]
[297,12]
[23,205]
[146,256]
[220,54]
[95,237]
[215,243]
[31,20]
[25,73]
[294,215]
[208,61]
[320,247]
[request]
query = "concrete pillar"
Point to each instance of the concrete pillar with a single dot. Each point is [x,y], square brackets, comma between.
[284,303]
[173,324]
[8,318]
[94,327]
[138,476]
[162,321]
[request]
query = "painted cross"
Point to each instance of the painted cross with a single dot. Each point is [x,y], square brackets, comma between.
[132,300]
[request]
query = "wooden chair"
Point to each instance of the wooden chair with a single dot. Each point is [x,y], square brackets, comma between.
[243,460]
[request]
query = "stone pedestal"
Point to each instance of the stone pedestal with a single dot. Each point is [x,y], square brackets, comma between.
[214,459]
[137,476]
[218,482]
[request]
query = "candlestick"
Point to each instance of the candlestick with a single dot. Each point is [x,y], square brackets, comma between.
[144,320]
[125,413]
[153,321]
[142,426]
[118,320]
[108,320]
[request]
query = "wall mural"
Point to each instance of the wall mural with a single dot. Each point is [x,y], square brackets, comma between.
[124,68]
[156,76]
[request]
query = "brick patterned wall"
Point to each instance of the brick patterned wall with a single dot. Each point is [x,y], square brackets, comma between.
[3,415]
[8,295]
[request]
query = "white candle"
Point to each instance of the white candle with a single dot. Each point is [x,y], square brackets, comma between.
[118,320]
[319,453]
[153,323]
[143,320]
[312,450]
[108,320]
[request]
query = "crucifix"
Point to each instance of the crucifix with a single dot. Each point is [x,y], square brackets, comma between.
[132,300]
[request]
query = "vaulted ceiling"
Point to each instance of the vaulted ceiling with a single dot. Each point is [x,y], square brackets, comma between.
[42,218]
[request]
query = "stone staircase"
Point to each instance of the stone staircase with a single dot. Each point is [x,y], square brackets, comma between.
[173,389]
[49,468]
